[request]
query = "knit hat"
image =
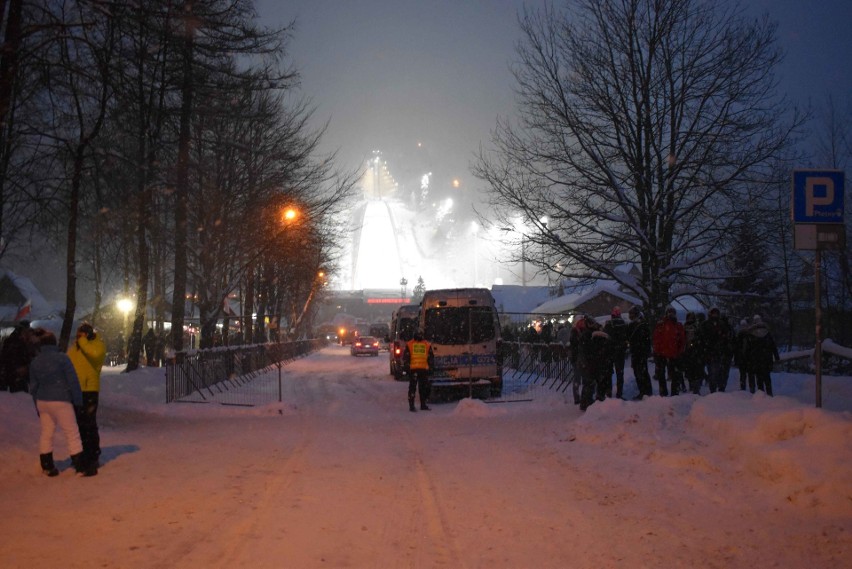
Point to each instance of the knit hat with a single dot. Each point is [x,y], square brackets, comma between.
[616,312]
[756,319]
[744,322]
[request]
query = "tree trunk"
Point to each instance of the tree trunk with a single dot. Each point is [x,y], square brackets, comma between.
[71,251]
[182,186]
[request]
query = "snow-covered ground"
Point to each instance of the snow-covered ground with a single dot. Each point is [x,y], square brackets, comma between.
[341,475]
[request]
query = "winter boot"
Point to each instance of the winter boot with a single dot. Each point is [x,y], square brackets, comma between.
[82,466]
[411,406]
[47,466]
[424,407]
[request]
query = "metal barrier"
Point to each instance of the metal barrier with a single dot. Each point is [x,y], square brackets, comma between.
[529,368]
[232,375]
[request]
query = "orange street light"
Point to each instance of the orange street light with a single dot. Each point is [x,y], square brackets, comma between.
[290,214]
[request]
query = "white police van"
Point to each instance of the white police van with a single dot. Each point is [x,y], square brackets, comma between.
[463,327]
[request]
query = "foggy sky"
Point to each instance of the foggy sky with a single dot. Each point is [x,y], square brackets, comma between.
[388,74]
[392,73]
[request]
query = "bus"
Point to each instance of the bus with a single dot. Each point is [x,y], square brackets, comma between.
[404,322]
[463,327]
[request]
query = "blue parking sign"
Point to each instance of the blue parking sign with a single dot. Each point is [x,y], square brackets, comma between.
[818,196]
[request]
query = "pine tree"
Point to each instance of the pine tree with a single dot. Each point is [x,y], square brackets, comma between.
[752,283]
[419,290]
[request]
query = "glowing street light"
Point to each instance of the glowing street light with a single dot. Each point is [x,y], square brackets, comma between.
[290,214]
[125,305]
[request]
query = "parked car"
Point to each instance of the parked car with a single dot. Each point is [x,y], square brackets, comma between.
[365,345]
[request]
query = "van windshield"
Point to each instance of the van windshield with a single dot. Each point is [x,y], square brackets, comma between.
[452,325]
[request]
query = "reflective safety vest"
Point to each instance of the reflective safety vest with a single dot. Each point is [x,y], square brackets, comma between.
[418,353]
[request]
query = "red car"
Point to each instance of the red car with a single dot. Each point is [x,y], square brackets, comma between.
[365,345]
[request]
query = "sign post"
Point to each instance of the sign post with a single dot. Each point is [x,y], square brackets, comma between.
[818,225]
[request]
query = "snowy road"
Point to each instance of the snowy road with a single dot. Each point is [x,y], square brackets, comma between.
[343,475]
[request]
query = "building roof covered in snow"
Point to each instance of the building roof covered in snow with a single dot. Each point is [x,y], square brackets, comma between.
[596,300]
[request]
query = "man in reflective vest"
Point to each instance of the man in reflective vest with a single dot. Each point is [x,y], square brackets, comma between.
[418,360]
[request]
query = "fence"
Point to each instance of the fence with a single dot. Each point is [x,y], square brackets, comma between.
[529,369]
[232,376]
[533,361]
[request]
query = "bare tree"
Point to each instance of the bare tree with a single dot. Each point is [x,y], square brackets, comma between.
[643,125]
[228,31]
[75,68]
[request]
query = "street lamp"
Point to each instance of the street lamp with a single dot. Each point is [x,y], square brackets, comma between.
[125,305]
[290,214]
[402,283]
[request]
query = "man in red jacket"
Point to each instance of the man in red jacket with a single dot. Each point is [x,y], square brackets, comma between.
[669,343]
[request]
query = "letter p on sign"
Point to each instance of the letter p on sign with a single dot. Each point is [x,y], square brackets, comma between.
[814,197]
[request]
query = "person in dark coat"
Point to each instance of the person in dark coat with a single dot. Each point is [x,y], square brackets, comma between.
[18,350]
[616,329]
[669,342]
[760,354]
[738,349]
[578,358]
[639,340]
[716,335]
[149,342]
[692,360]
[56,391]
[595,354]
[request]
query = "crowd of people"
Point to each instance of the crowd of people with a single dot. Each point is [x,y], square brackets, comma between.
[686,355]
[65,388]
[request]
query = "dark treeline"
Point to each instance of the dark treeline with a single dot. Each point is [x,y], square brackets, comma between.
[160,145]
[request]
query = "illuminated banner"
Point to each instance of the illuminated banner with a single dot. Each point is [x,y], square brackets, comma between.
[388,301]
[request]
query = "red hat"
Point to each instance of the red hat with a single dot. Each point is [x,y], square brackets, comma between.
[616,311]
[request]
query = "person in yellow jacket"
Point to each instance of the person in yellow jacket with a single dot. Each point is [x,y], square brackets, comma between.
[418,360]
[87,354]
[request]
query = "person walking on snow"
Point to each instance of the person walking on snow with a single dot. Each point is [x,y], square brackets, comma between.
[669,342]
[616,329]
[56,392]
[761,354]
[692,359]
[418,360]
[639,339]
[594,353]
[738,349]
[716,337]
[578,358]
[87,354]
